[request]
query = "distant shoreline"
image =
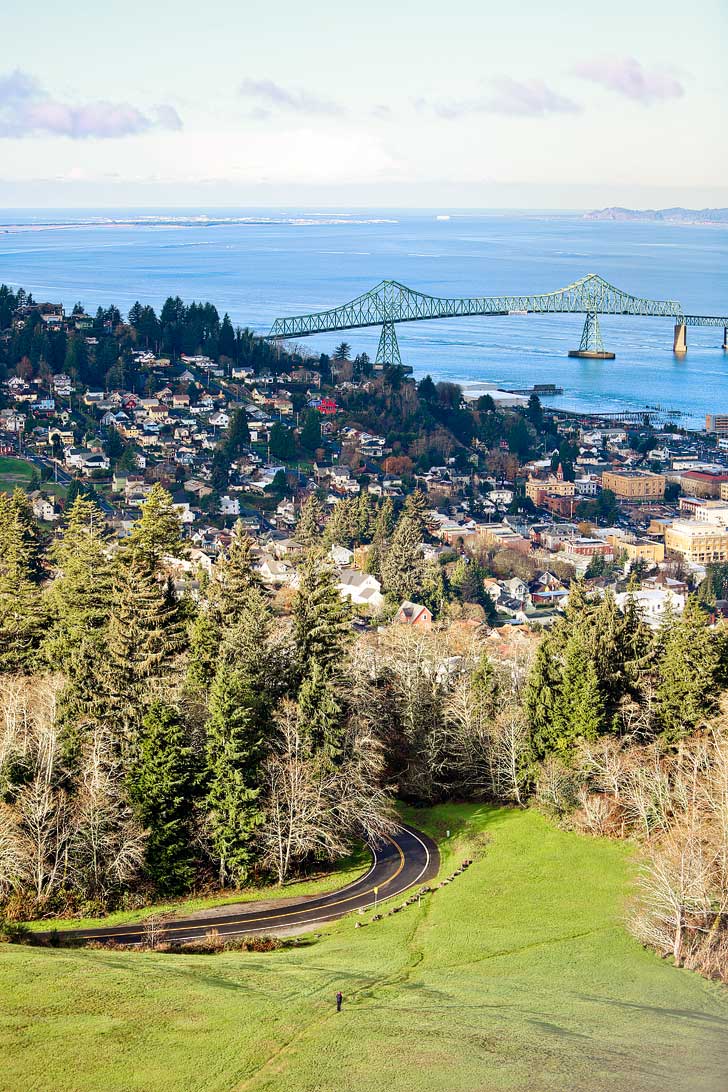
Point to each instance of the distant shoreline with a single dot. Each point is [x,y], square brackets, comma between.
[677,215]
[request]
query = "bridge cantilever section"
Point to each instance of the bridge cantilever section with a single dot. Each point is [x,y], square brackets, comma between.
[390,302]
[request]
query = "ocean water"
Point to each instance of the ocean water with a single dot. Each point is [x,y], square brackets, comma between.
[260,265]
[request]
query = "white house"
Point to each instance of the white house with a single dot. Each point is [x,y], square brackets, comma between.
[653,603]
[276,573]
[361,589]
[229,506]
[341,556]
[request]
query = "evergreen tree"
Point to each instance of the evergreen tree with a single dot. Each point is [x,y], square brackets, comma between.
[309,520]
[320,714]
[688,669]
[365,517]
[238,434]
[162,788]
[80,595]
[321,619]
[415,506]
[159,532]
[402,564]
[579,712]
[17,510]
[311,431]
[144,636]
[240,713]
[341,526]
[226,341]
[230,589]
[22,611]
[433,588]
[384,524]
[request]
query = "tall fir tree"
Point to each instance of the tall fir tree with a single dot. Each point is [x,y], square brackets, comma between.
[579,712]
[162,786]
[240,714]
[17,508]
[308,527]
[144,637]
[158,532]
[342,524]
[402,565]
[384,524]
[79,597]
[415,506]
[365,517]
[232,581]
[688,672]
[23,614]
[321,619]
[320,714]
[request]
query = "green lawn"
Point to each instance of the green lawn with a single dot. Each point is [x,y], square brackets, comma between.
[14,472]
[517,976]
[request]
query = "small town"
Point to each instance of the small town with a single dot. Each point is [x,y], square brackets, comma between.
[519,500]
[364,548]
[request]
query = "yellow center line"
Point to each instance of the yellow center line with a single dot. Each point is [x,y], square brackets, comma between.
[263,917]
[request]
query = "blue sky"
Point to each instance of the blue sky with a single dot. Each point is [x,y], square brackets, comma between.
[478,104]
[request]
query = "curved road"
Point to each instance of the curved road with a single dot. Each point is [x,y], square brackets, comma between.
[406,860]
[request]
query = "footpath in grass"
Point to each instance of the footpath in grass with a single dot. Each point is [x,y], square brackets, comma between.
[517,977]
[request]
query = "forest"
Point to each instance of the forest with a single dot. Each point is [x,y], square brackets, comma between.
[153,744]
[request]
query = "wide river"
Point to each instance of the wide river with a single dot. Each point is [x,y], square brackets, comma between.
[259,265]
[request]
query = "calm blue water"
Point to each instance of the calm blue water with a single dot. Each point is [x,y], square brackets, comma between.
[293,262]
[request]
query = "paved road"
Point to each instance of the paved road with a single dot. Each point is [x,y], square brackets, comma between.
[406,860]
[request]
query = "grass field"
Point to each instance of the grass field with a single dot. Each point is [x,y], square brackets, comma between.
[517,976]
[14,472]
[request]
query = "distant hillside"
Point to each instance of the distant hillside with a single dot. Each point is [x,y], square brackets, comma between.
[674,215]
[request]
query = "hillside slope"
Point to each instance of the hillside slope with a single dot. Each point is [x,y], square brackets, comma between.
[518,976]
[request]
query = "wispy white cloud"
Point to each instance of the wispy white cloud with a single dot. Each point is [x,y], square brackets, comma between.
[512,98]
[628,77]
[270,97]
[27,109]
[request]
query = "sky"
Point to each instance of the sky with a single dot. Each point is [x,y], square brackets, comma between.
[391,104]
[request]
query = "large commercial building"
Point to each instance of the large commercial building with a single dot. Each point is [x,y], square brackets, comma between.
[717,422]
[697,541]
[636,548]
[704,483]
[634,485]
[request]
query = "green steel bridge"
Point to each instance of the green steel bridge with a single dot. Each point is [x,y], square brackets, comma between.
[390,302]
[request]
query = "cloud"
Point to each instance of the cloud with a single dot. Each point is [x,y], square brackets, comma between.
[626,76]
[513,98]
[270,97]
[27,109]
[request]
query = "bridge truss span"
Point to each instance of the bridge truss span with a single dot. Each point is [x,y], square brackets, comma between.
[390,302]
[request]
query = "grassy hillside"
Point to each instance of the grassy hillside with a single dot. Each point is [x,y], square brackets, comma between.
[14,472]
[518,976]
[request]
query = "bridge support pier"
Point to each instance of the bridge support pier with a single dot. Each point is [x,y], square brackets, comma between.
[680,341]
[592,346]
[725,338]
[388,350]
